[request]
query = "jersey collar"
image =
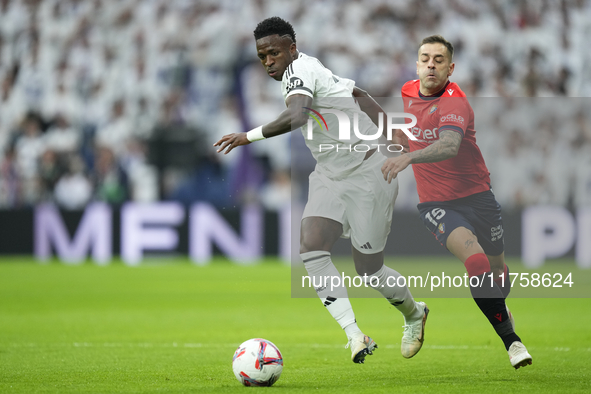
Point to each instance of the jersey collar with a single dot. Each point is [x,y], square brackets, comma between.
[433,96]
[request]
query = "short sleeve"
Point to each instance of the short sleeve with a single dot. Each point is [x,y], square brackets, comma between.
[299,80]
[454,114]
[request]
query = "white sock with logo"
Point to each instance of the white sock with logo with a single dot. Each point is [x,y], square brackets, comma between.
[321,269]
[399,297]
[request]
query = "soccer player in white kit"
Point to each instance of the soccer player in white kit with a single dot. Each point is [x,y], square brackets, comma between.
[347,196]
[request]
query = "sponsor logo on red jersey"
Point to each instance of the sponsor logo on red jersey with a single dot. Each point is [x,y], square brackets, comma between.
[424,135]
[452,118]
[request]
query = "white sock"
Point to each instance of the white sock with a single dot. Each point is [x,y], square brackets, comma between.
[399,297]
[320,269]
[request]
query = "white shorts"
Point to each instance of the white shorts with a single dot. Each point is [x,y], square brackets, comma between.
[362,202]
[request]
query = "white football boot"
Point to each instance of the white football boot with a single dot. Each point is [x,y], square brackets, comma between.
[361,346]
[518,355]
[414,333]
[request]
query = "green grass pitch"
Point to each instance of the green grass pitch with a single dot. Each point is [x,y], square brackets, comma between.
[173,328]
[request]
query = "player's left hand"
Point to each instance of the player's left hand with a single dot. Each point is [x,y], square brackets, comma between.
[231,141]
[393,166]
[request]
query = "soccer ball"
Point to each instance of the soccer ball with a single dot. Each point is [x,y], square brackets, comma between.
[257,362]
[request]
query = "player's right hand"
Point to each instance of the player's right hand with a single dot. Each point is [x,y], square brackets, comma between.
[231,141]
[393,165]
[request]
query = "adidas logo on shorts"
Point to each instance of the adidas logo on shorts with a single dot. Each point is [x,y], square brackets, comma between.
[366,246]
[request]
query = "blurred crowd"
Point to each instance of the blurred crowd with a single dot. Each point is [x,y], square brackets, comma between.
[121,100]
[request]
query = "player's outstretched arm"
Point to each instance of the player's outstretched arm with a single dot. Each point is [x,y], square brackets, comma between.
[375,111]
[370,106]
[290,119]
[445,148]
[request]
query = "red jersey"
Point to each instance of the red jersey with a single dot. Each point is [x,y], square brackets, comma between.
[459,176]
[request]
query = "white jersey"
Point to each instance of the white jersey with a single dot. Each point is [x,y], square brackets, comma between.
[307,76]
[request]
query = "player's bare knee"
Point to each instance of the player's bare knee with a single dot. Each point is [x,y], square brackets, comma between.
[463,243]
[310,242]
[319,234]
[367,264]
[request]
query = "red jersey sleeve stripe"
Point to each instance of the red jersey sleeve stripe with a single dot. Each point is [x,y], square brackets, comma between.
[453,128]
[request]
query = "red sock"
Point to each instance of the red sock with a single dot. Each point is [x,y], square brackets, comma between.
[477,264]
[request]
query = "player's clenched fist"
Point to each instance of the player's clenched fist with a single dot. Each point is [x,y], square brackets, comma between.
[231,141]
[394,165]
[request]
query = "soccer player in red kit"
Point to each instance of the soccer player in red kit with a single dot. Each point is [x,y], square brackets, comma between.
[456,201]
